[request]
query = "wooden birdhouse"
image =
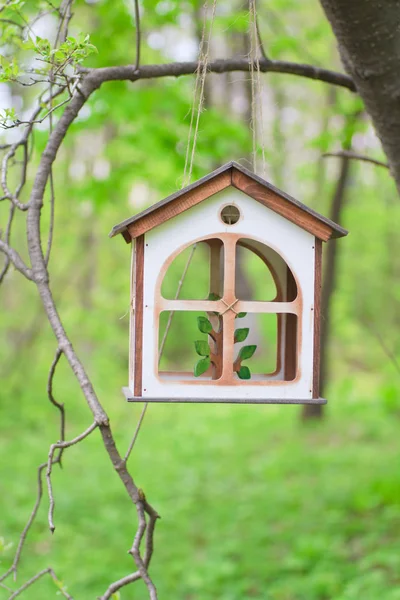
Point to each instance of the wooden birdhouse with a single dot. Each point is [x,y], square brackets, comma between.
[229,215]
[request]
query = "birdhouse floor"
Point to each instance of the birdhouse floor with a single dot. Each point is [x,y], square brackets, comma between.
[130,397]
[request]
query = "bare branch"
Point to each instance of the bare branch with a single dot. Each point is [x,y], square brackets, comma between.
[16,260]
[38,121]
[58,405]
[259,38]
[117,585]
[135,550]
[135,435]
[32,516]
[7,261]
[356,156]
[50,462]
[178,69]
[36,577]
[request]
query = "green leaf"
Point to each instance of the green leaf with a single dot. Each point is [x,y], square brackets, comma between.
[247,352]
[241,315]
[202,348]
[204,325]
[241,334]
[212,296]
[244,372]
[201,366]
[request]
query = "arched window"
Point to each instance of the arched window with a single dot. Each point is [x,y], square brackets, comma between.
[235,318]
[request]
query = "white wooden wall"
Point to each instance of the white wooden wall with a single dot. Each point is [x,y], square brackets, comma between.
[163,243]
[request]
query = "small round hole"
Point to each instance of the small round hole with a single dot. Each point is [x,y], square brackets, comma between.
[230,214]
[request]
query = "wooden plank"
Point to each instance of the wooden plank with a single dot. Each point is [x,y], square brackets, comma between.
[317,317]
[139,289]
[180,204]
[131,398]
[132,318]
[291,346]
[281,206]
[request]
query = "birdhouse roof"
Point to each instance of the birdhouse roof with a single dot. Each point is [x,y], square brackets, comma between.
[231,174]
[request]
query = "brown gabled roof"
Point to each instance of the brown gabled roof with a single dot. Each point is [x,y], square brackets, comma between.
[231,174]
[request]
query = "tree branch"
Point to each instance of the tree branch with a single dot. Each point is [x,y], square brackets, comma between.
[58,405]
[50,462]
[356,156]
[31,581]
[117,585]
[177,69]
[14,566]
[16,260]
[135,435]
[7,262]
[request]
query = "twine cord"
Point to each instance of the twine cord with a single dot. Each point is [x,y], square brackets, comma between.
[256,87]
[204,55]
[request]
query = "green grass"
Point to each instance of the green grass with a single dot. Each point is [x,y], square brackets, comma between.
[253,503]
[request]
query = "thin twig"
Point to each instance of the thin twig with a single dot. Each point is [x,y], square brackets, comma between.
[389,353]
[7,261]
[16,260]
[58,405]
[37,121]
[35,578]
[50,463]
[135,435]
[117,585]
[356,156]
[135,551]
[259,38]
[138,35]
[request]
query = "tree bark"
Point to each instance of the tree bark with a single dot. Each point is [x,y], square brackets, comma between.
[367,32]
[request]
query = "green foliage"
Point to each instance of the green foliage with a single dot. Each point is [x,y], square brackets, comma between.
[247,352]
[202,348]
[8,117]
[204,325]
[9,69]
[72,51]
[201,366]
[241,315]
[241,334]
[244,372]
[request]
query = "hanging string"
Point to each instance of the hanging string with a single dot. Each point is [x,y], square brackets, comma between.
[256,86]
[204,54]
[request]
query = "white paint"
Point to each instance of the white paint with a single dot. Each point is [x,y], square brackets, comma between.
[296,247]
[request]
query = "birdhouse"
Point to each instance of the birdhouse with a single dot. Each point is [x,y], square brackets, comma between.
[229,345]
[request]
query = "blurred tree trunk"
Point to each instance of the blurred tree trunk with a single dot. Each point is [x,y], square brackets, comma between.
[368,37]
[330,261]
[329,281]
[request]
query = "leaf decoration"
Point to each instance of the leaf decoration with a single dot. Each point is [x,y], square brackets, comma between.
[201,366]
[241,334]
[214,297]
[244,372]
[202,348]
[204,325]
[241,315]
[247,352]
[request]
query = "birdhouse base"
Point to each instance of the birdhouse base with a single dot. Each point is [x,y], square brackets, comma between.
[130,397]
